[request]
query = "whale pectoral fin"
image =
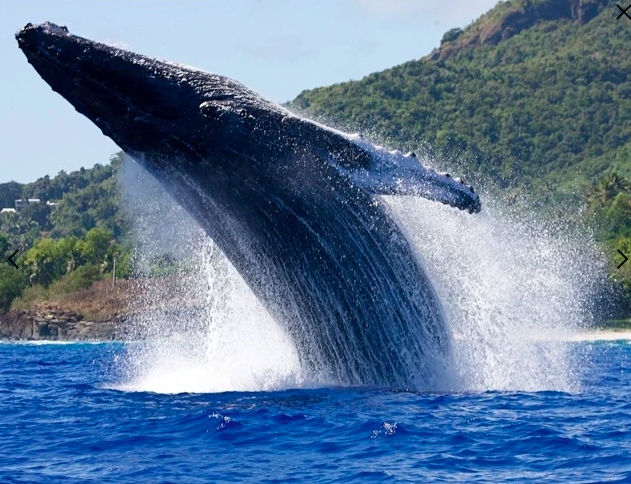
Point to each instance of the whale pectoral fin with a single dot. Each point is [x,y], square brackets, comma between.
[377,170]
[409,177]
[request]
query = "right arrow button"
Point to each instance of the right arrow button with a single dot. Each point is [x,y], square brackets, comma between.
[625,258]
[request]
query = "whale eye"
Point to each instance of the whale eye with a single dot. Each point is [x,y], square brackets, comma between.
[214,110]
[207,108]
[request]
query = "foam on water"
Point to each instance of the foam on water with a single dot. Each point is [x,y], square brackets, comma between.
[512,298]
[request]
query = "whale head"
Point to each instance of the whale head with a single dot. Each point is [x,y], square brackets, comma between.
[145,105]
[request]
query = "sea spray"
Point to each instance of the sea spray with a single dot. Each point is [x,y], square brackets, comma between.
[197,328]
[515,288]
[511,295]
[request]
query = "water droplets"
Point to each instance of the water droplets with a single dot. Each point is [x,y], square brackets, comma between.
[387,430]
[511,295]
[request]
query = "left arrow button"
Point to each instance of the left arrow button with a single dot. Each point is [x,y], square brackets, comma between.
[12,256]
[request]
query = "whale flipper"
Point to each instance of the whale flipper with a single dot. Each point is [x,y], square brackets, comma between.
[383,172]
[392,173]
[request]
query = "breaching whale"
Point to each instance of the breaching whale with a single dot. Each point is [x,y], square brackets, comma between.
[294,205]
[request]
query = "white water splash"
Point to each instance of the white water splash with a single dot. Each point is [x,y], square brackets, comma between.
[515,291]
[230,343]
[512,298]
[223,339]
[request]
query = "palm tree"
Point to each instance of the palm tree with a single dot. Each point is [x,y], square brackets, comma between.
[607,188]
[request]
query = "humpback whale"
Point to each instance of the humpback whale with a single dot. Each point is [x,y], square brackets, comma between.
[294,205]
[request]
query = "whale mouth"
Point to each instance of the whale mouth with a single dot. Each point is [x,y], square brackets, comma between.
[43,45]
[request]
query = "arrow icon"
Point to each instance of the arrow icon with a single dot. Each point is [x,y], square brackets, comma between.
[16,266]
[625,259]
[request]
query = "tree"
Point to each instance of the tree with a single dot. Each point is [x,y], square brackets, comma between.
[4,244]
[37,212]
[9,193]
[11,285]
[451,35]
[49,259]
[94,248]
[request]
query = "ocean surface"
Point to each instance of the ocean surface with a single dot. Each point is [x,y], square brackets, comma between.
[63,420]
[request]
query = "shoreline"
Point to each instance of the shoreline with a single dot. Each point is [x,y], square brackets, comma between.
[58,326]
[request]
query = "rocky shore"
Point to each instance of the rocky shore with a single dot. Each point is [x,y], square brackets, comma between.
[56,325]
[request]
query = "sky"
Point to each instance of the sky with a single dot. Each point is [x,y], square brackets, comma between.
[278,48]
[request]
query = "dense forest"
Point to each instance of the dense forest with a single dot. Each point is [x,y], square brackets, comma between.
[534,97]
[70,242]
[548,104]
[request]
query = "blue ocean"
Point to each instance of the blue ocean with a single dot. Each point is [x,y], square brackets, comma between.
[64,419]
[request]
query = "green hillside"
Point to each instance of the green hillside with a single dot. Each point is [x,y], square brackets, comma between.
[83,199]
[77,234]
[531,91]
[69,239]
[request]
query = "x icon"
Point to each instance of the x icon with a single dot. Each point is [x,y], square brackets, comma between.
[624,12]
